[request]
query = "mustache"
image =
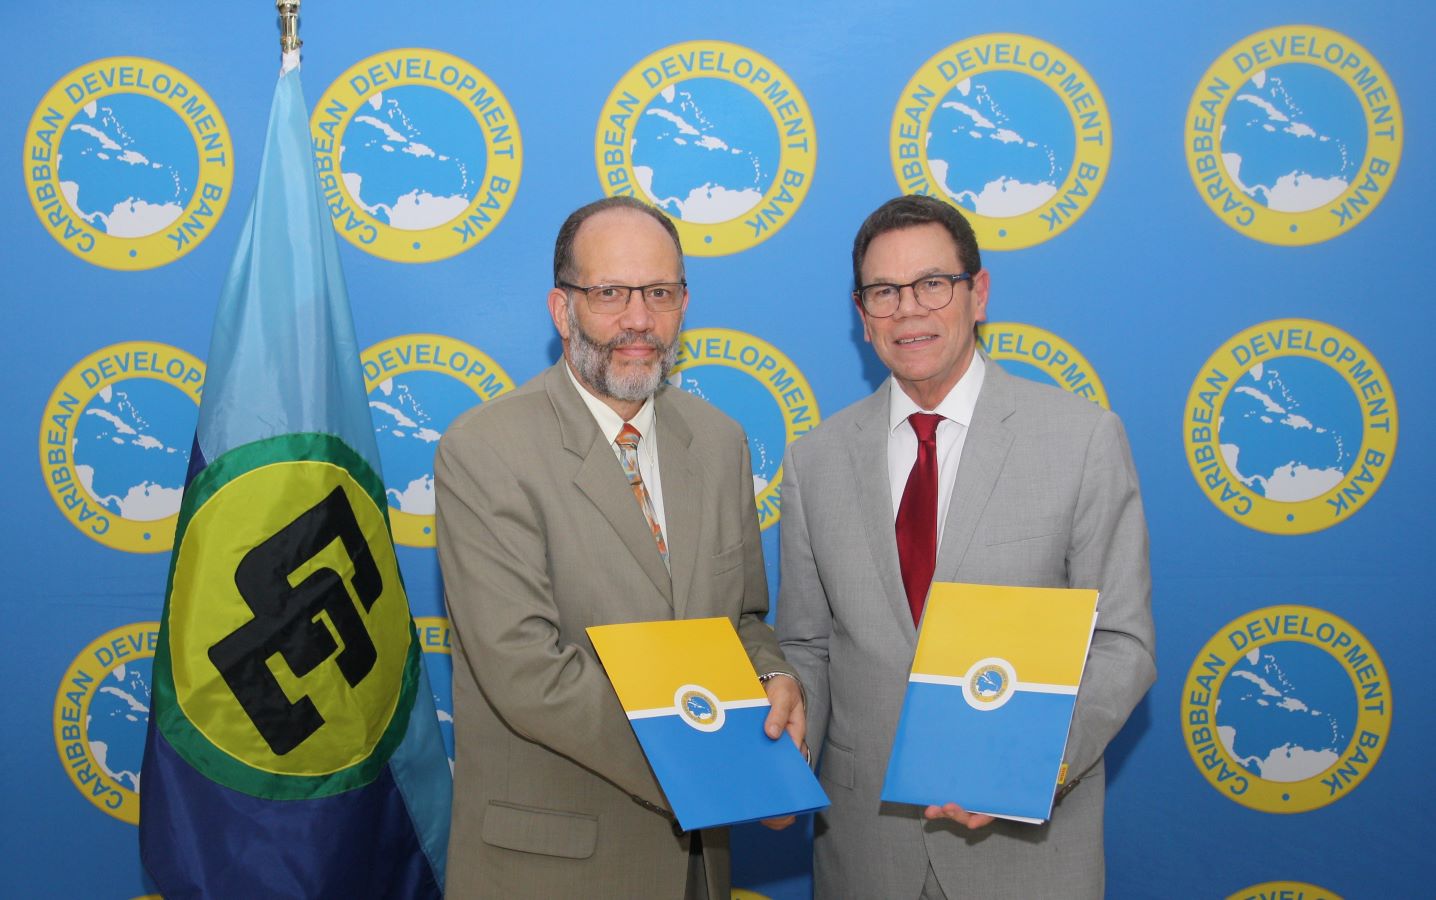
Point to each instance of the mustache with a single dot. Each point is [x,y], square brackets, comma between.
[630,338]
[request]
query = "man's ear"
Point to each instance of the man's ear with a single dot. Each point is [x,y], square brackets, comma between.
[981,284]
[863,317]
[558,310]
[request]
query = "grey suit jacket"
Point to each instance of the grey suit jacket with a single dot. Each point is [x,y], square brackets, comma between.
[539,537]
[1046,495]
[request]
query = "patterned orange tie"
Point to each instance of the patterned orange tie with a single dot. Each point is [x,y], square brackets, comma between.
[627,442]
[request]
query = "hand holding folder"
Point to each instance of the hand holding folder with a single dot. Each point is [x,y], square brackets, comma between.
[699,712]
[789,716]
[989,703]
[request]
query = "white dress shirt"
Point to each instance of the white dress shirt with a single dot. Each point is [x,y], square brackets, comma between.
[611,423]
[956,409]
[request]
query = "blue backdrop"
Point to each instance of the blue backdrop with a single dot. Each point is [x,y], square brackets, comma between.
[1208,217]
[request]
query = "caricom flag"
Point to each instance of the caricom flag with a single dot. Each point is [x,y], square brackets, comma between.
[698,709]
[293,749]
[990,699]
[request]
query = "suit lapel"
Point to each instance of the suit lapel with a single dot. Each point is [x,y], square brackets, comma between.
[682,498]
[868,453]
[600,478]
[983,454]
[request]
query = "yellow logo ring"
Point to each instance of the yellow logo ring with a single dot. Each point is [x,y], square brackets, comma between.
[1060,73]
[660,71]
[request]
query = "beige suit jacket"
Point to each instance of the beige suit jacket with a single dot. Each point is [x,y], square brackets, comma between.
[539,537]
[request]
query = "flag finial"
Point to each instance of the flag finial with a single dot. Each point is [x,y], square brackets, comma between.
[288,25]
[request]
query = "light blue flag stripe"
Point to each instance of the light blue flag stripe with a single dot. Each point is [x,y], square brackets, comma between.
[283,302]
[427,789]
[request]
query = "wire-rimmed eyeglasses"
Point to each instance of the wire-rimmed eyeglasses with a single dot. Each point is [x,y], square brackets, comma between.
[606,299]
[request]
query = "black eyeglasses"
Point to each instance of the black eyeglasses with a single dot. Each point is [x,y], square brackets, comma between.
[607,299]
[933,292]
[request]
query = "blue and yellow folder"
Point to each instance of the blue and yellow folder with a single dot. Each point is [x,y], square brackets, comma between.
[989,702]
[697,707]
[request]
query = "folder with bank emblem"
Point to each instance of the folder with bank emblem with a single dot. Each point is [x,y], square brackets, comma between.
[989,702]
[697,708]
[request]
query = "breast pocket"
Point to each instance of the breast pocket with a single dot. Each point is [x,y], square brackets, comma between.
[725,561]
[1026,530]
[726,580]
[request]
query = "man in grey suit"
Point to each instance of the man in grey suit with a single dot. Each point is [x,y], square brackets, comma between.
[1019,484]
[594,494]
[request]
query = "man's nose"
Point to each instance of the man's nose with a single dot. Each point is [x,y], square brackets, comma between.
[912,306]
[636,315]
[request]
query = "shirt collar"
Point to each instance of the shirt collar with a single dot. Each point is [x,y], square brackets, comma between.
[957,405]
[609,422]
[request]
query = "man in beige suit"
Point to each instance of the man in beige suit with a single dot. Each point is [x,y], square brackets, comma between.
[553,515]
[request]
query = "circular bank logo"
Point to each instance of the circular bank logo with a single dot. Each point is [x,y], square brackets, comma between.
[418,384]
[699,708]
[1286,709]
[115,441]
[988,684]
[128,163]
[1284,890]
[418,155]
[1290,426]
[1294,134]
[1039,355]
[715,135]
[288,664]
[102,710]
[1008,128]
[752,381]
[434,639]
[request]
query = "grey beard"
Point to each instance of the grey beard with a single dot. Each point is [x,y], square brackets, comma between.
[594,362]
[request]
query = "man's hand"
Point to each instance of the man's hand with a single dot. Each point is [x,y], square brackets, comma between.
[787,714]
[972,821]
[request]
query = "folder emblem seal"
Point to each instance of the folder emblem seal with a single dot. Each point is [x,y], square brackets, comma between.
[988,684]
[699,707]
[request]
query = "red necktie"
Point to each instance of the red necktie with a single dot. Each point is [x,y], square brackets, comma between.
[917,515]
